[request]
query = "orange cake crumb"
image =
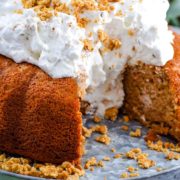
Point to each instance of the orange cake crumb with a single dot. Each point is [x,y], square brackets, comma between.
[145,163]
[90,162]
[171,155]
[140,157]
[133,153]
[131,169]
[103,139]
[125,128]
[100,129]
[126,118]
[25,167]
[164,147]
[91,168]
[113,150]
[134,174]
[131,32]
[93,162]
[111,114]
[19,11]
[158,169]
[100,164]
[88,45]
[106,158]
[136,133]
[87,132]
[116,156]
[97,119]
[124,175]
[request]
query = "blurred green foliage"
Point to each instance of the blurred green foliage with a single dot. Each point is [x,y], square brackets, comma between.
[173,15]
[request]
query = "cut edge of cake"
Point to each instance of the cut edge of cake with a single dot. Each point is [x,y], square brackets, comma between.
[152,94]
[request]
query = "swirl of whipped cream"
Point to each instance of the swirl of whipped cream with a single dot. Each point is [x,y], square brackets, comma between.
[56,45]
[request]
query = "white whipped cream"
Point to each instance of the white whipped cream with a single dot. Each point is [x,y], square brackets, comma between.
[56,45]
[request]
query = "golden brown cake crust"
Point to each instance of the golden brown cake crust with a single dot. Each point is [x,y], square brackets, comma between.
[39,116]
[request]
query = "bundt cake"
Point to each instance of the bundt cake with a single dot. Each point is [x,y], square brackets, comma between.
[55,54]
[39,116]
[152,94]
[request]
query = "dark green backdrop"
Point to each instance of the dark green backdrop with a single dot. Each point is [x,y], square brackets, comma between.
[173,14]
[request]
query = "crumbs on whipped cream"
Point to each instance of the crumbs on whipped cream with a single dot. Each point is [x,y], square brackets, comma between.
[90,40]
[44,8]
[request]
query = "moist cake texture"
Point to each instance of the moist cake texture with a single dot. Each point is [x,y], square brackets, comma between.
[152,94]
[39,116]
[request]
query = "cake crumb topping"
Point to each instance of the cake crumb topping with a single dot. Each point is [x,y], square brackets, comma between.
[158,169]
[19,11]
[125,128]
[117,156]
[100,129]
[131,169]
[131,32]
[136,133]
[141,158]
[25,167]
[93,162]
[86,132]
[106,158]
[126,118]
[171,155]
[100,163]
[124,175]
[109,43]
[103,139]
[97,119]
[90,162]
[91,168]
[113,150]
[161,146]
[134,174]
[111,114]
[48,8]
[88,45]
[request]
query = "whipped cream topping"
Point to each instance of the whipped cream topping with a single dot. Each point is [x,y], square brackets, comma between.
[55,46]
[137,27]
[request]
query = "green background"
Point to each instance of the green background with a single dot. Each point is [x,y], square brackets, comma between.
[173,15]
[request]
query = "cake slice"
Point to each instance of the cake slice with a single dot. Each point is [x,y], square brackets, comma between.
[39,116]
[152,94]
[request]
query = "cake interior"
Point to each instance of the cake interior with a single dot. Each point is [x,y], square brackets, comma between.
[152,94]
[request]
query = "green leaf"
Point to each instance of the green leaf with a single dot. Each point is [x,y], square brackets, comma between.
[173,15]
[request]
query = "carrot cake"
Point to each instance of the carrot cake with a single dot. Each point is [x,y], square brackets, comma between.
[56,54]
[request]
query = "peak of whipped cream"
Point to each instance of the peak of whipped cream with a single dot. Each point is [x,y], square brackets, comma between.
[131,31]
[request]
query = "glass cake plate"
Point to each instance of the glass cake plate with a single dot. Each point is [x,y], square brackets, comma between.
[122,142]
